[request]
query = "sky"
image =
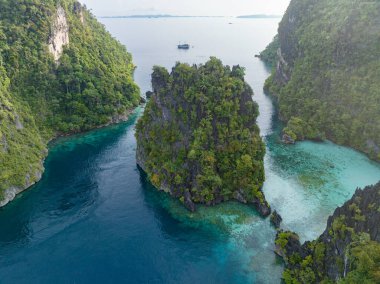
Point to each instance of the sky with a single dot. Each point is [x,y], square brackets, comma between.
[186,7]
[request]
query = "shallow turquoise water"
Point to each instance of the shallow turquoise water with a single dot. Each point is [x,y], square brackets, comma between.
[95,219]
[307,181]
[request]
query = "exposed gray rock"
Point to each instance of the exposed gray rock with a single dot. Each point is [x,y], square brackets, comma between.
[189,204]
[18,122]
[287,139]
[373,146]
[78,9]
[11,193]
[357,217]
[149,94]
[276,219]
[59,35]
[239,196]
[4,143]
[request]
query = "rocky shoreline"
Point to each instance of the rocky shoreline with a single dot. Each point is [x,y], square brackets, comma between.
[349,242]
[11,193]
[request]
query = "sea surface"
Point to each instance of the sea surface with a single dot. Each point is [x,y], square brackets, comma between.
[94,218]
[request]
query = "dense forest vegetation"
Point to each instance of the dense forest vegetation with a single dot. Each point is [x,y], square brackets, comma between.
[327,77]
[21,146]
[40,97]
[198,137]
[269,54]
[347,252]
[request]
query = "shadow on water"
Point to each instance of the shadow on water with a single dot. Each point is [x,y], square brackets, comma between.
[222,235]
[68,186]
[235,233]
[173,216]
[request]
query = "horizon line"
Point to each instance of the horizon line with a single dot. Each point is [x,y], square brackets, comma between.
[192,16]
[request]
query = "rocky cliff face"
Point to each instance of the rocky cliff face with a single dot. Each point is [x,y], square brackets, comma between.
[59,36]
[349,248]
[79,11]
[21,148]
[198,138]
[325,77]
[30,179]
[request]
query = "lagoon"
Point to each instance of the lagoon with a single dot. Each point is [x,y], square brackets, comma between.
[94,218]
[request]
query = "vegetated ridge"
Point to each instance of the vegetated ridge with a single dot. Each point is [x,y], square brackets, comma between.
[327,75]
[198,138]
[61,72]
[347,252]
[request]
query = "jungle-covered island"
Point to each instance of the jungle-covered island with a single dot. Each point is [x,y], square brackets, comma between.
[61,72]
[326,72]
[198,138]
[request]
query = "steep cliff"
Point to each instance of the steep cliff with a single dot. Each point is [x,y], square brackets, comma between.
[21,146]
[198,138]
[347,252]
[61,72]
[269,55]
[327,73]
[59,37]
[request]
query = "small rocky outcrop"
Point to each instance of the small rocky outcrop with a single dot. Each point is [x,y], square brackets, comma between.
[10,193]
[276,219]
[79,11]
[288,243]
[142,100]
[59,35]
[287,139]
[348,250]
[149,94]
[198,139]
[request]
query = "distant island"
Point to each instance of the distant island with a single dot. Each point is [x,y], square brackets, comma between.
[260,16]
[159,16]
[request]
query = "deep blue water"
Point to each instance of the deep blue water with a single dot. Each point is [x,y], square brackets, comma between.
[94,218]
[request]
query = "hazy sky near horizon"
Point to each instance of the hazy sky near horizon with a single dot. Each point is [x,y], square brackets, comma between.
[186,7]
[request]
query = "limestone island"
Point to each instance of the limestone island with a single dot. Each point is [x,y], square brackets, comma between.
[198,139]
[348,251]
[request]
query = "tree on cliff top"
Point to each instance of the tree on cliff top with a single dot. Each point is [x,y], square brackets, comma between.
[198,137]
